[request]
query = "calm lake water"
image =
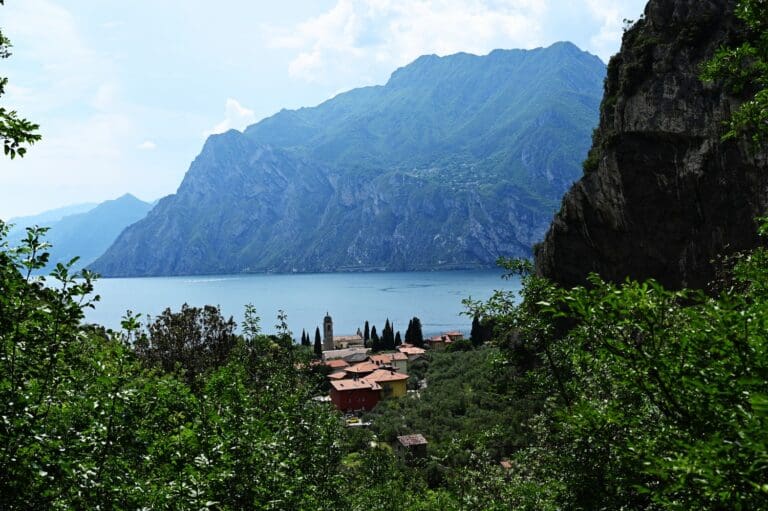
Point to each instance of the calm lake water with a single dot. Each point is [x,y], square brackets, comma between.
[350,298]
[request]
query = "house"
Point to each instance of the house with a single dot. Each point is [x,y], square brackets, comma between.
[340,375]
[398,361]
[454,335]
[412,447]
[334,354]
[411,351]
[337,363]
[393,384]
[439,342]
[360,370]
[351,395]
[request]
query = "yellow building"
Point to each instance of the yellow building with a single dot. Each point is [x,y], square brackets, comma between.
[393,384]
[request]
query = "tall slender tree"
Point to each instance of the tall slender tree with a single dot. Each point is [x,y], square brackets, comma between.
[375,341]
[318,343]
[366,332]
[398,339]
[417,337]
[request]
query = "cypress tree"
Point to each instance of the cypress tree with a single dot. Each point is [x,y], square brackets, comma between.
[409,332]
[476,333]
[416,335]
[388,337]
[366,332]
[318,343]
[398,340]
[305,338]
[375,342]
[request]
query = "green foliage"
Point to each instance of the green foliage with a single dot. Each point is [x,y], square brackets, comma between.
[744,71]
[192,341]
[414,335]
[651,398]
[15,132]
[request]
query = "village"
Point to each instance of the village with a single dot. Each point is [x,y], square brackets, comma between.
[360,378]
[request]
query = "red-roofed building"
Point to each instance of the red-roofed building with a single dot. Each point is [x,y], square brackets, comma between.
[351,395]
[454,335]
[398,361]
[360,370]
[412,352]
[337,364]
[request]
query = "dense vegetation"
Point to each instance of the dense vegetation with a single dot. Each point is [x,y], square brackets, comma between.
[612,397]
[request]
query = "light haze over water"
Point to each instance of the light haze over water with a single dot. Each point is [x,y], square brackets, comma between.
[350,298]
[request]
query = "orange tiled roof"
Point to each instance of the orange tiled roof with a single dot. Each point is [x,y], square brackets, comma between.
[344,385]
[386,358]
[362,367]
[380,375]
[340,375]
[336,364]
[412,351]
[454,333]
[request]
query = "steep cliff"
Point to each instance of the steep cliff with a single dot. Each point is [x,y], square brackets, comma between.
[454,162]
[661,195]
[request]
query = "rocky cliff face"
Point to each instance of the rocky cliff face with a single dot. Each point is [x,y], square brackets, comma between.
[661,195]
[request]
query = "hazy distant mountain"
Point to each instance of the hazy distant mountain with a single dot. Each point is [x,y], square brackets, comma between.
[47,217]
[455,161]
[85,234]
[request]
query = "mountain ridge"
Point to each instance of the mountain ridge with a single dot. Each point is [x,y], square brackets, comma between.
[455,161]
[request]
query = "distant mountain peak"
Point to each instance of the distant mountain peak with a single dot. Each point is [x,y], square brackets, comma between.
[456,161]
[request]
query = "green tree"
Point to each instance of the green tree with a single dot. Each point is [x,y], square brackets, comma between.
[417,337]
[191,341]
[305,338]
[15,132]
[744,70]
[366,332]
[318,343]
[398,339]
[375,341]
[387,337]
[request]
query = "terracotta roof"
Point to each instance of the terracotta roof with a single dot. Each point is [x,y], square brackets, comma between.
[362,367]
[386,358]
[455,333]
[380,375]
[361,384]
[336,364]
[409,440]
[340,375]
[412,351]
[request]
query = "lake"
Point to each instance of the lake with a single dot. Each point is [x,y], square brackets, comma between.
[350,298]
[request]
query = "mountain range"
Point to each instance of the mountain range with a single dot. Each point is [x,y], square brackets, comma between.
[83,230]
[452,163]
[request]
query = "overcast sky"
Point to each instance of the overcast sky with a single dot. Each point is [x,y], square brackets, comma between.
[126,92]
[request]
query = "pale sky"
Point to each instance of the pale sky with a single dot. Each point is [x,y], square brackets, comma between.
[126,92]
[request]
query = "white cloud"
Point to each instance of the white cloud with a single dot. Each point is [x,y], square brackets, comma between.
[147,145]
[236,116]
[611,15]
[358,39]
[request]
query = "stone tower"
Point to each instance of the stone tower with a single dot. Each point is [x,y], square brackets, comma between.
[327,333]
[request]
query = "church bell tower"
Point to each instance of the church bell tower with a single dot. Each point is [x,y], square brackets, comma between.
[327,333]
